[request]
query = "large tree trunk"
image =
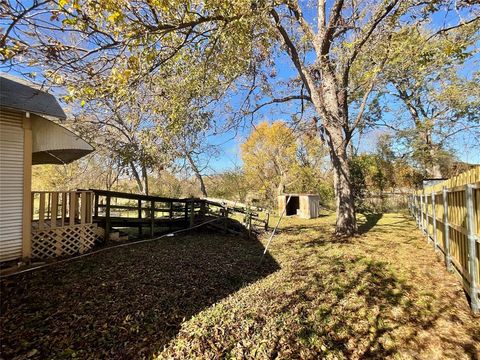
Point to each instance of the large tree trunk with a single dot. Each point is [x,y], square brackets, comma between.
[432,167]
[145,179]
[199,176]
[346,223]
[281,185]
[137,178]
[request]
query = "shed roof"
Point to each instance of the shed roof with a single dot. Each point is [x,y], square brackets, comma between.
[16,93]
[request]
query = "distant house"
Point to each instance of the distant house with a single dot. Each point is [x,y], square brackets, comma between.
[28,137]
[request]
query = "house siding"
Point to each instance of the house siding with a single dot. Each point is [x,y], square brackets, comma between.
[11,184]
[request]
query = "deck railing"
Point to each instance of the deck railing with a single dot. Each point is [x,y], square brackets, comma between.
[65,222]
[51,209]
[62,223]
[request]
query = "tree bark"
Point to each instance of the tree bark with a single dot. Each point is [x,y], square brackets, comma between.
[145,178]
[197,173]
[432,167]
[137,178]
[346,223]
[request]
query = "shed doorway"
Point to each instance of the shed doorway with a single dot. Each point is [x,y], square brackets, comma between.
[293,205]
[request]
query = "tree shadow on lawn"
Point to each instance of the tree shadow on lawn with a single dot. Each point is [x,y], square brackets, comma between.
[366,311]
[371,220]
[365,225]
[345,307]
[126,302]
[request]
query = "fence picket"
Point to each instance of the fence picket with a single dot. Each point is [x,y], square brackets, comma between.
[456,204]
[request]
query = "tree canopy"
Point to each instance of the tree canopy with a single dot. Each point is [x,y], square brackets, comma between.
[192,60]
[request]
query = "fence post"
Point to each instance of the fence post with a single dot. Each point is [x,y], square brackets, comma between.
[434,222]
[446,235]
[421,213]
[412,205]
[417,210]
[472,250]
[414,209]
[426,215]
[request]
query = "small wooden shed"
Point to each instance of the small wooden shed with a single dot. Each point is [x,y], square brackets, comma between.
[306,206]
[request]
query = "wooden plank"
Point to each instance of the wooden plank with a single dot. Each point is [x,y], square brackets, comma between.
[170,216]
[64,208]
[96,205]
[192,213]
[83,207]
[139,215]
[152,217]
[107,218]
[73,206]
[54,213]
[47,208]
[41,212]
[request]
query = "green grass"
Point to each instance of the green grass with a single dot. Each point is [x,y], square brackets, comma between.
[382,294]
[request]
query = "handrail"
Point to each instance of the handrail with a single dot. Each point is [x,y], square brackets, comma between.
[52,209]
[139,196]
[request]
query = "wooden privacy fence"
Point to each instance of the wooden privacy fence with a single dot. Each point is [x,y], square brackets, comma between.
[449,215]
[62,223]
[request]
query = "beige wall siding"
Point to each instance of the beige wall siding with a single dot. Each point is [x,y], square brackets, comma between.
[11,184]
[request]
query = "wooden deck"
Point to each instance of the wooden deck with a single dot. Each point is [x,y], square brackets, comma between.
[69,222]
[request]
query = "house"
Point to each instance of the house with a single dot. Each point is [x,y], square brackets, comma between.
[35,223]
[306,206]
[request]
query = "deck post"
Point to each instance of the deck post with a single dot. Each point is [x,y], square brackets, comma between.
[202,209]
[170,216]
[152,217]
[107,218]
[186,213]
[96,206]
[267,220]
[434,222]
[446,235]
[472,250]
[225,220]
[140,230]
[192,213]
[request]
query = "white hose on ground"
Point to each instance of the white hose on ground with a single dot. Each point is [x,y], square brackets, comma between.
[275,228]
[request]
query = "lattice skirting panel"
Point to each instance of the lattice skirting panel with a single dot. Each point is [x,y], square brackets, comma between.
[61,241]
